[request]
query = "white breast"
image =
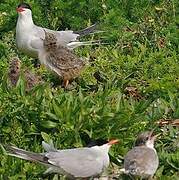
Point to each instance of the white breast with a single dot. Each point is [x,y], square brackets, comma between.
[25,34]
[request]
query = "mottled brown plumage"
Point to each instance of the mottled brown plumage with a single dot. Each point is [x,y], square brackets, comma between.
[60,59]
[15,71]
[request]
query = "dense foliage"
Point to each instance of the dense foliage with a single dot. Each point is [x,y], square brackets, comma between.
[142,53]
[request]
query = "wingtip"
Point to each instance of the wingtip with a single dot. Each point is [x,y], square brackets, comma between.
[88,30]
[48,147]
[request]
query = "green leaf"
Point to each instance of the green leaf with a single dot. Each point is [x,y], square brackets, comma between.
[49,124]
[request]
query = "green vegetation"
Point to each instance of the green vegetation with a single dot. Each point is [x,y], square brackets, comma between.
[143,52]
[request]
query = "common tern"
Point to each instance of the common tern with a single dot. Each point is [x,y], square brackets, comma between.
[73,163]
[29,36]
[142,161]
[60,59]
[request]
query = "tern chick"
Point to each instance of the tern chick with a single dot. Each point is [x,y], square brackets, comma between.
[142,161]
[15,72]
[60,59]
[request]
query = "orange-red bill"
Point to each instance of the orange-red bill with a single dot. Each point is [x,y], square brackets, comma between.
[20,9]
[113,141]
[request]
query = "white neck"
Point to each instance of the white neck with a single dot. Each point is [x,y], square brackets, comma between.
[104,148]
[25,18]
[150,144]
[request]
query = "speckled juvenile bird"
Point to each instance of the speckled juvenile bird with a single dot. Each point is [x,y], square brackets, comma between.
[15,71]
[142,161]
[60,59]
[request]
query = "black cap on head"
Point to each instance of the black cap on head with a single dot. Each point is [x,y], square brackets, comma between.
[142,138]
[24,5]
[97,142]
[90,142]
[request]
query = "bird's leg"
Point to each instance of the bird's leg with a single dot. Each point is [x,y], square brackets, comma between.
[65,83]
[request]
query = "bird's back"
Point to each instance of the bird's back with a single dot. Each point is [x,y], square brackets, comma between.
[65,63]
[81,162]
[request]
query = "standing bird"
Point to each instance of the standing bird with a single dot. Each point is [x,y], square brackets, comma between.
[60,59]
[29,36]
[73,163]
[142,161]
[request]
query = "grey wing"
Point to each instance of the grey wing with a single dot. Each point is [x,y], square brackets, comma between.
[37,38]
[66,38]
[76,162]
[63,37]
[141,161]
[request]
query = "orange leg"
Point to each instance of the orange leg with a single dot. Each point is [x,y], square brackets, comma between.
[65,83]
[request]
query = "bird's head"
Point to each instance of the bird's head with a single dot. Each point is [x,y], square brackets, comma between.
[101,142]
[24,9]
[146,139]
[50,41]
[102,145]
[15,65]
